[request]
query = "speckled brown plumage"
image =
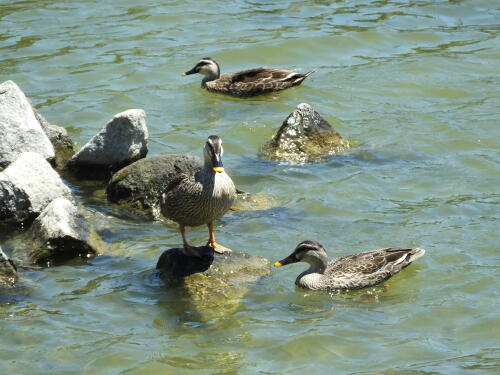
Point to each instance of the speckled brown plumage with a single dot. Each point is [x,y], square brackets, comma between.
[201,197]
[198,199]
[245,83]
[351,272]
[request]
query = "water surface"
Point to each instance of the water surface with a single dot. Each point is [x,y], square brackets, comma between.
[414,84]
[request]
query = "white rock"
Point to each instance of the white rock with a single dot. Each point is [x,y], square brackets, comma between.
[60,232]
[27,186]
[122,141]
[20,131]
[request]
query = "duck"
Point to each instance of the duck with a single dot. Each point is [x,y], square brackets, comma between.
[245,83]
[200,197]
[355,271]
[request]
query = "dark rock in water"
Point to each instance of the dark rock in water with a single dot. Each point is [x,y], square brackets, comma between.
[141,184]
[64,147]
[174,264]
[8,270]
[304,136]
[213,292]
[27,186]
[122,141]
[20,131]
[61,232]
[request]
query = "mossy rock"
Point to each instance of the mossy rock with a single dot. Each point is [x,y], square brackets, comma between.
[304,136]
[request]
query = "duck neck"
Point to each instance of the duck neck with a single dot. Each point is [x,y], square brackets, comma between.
[209,78]
[311,278]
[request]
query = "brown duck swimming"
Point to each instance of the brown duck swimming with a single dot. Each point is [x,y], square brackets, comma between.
[351,272]
[246,83]
[202,197]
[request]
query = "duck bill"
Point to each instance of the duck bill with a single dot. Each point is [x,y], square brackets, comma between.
[189,72]
[217,164]
[288,260]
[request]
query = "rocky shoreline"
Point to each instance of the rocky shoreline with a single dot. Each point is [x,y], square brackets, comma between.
[36,157]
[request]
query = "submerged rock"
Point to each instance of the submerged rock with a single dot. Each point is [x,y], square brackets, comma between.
[141,184]
[27,186]
[8,270]
[61,232]
[20,130]
[304,136]
[64,147]
[211,288]
[122,141]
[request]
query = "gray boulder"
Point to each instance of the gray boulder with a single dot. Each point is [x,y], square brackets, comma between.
[27,186]
[141,184]
[20,131]
[61,232]
[64,147]
[303,137]
[210,286]
[8,270]
[122,141]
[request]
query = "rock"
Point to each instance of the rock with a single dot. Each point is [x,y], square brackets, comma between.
[215,291]
[20,131]
[61,232]
[8,270]
[122,141]
[64,147]
[27,186]
[303,137]
[141,184]
[174,264]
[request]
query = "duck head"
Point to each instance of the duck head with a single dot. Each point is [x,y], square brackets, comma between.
[213,152]
[311,252]
[206,66]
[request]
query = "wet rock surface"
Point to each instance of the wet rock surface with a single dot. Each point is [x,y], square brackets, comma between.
[122,141]
[27,186]
[141,184]
[61,232]
[64,148]
[216,290]
[8,270]
[20,130]
[303,137]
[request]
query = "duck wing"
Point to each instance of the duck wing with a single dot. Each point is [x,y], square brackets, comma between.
[256,81]
[260,75]
[372,267]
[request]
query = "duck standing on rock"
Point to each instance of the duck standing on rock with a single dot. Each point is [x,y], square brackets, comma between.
[351,272]
[245,83]
[201,197]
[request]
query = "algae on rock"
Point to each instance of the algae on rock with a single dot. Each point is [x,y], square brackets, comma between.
[303,137]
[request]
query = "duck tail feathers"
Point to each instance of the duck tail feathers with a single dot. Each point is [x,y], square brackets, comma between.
[415,254]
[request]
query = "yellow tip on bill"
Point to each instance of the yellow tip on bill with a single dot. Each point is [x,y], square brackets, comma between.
[183,74]
[277,264]
[219,169]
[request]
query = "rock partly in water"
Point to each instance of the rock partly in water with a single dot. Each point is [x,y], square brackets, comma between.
[141,184]
[122,141]
[20,130]
[64,147]
[8,270]
[27,186]
[214,291]
[303,137]
[61,232]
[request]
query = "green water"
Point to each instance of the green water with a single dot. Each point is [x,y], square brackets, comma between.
[414,84]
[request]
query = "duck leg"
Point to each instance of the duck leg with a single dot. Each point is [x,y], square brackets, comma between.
[189,250]
[211,241]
